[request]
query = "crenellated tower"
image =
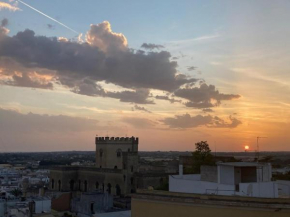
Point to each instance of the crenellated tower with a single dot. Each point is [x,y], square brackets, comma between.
[116,152]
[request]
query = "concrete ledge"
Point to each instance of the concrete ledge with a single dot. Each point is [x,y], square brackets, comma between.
[215,200]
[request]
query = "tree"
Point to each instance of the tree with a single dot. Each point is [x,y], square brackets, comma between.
[16,192]
[201,156]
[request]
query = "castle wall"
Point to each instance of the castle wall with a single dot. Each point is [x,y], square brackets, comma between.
[109,151]
[87,179]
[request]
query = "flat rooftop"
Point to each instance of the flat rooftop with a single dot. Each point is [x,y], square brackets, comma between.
[242,164]
[217,200]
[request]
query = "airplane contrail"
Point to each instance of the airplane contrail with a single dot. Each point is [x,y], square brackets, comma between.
[48,17]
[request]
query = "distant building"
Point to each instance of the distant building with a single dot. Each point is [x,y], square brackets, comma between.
[236,178]
[116,170]
[89,204]
[116,163]
[19,207]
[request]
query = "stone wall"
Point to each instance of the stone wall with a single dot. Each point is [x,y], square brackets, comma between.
[209,173]
[109,151]
[86,179]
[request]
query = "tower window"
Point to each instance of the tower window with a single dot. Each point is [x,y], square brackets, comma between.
[119,153]
[101,152]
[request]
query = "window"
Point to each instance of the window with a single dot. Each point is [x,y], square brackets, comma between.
[101,152]
[132,181]
[119,153]
[52,184]
[80,185]
[86,186]
[71,184]
[115,167]
[109,188]
[132,168]
[59,185]
[118,190]
[97,185]
[92,208]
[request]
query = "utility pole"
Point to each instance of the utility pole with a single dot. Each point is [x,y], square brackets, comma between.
[258,148]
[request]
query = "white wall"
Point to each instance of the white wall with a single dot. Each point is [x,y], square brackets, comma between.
[227,175]
[43,206]
[182,184]
[283,188]
[195,177]
[259,189]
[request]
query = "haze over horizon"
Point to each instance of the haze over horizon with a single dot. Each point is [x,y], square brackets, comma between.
[171,73]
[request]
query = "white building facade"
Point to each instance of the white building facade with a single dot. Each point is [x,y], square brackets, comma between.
[237,178]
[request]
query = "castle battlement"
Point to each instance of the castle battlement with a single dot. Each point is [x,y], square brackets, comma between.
[117,140]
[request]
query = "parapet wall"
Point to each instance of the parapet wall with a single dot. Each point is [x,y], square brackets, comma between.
[117,140]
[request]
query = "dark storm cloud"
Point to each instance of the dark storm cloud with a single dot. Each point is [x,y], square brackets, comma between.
[150,46]
[172,100]
[104,56]
[77,61]
[26,81]
[188,121]
[203,96]
[140,108]
[139,96]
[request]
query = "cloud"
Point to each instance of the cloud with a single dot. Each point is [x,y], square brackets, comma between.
[106,57]
[139,122]
[3,30]
[219,123]
[26,80]
[204,96]
[50,26]
[102,36]
[191,68]
[207,110]
[16,122]
[150,46]
[139,96]
[172,100]
[4,22]
[140,108]
[94,60]
[7,6]
[188,121]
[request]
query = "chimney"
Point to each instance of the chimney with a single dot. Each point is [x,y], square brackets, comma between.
[181,169]
[41,192]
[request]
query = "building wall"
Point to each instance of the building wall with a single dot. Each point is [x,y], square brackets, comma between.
[227,175]
[116,163]
[107,149]
[145,208]
[61,202]
[259,189]
[90,179]
[283,188]
[208,173]
[179,184]
[42,206]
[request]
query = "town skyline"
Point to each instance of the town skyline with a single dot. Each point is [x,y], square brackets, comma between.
[217,73]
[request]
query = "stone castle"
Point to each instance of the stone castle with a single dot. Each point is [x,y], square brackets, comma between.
[115,170]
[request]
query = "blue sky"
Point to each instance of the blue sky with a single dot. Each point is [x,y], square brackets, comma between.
[239,47]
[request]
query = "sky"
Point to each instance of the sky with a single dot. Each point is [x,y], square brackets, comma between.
[172,73]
